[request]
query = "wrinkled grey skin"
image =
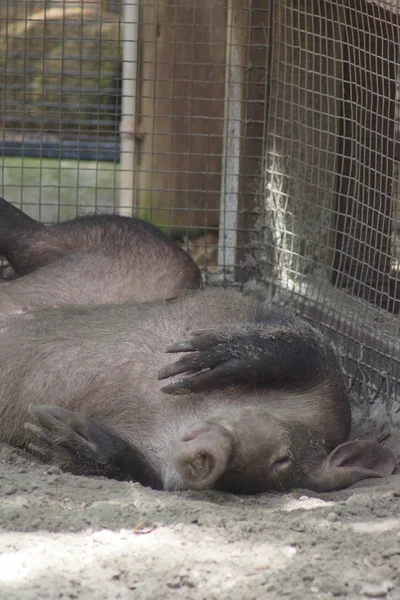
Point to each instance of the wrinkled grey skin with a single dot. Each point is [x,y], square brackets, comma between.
[255,401]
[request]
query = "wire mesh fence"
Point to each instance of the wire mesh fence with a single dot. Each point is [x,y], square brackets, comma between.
[263,135]
[331,180]
[59,104]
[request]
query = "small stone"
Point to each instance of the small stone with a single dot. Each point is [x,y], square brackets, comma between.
[10,489]
[377,590]
[54,470]
[35,523]
[289,551]
[393,551]
[332,517]
[54,479]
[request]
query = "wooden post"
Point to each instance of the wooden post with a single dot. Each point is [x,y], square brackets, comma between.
[182,57]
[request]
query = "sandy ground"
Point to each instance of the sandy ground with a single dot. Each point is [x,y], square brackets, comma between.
[71,537]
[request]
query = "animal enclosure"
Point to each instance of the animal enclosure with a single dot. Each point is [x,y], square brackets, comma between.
[262,135]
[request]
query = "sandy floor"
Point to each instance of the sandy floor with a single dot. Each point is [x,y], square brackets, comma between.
[74,537]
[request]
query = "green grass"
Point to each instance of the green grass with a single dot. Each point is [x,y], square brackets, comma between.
[50,190]
[53,190]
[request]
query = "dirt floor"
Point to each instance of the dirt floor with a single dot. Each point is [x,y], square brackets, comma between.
[71,537]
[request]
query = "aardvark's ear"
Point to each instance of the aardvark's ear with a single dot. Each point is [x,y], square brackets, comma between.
[350,462]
